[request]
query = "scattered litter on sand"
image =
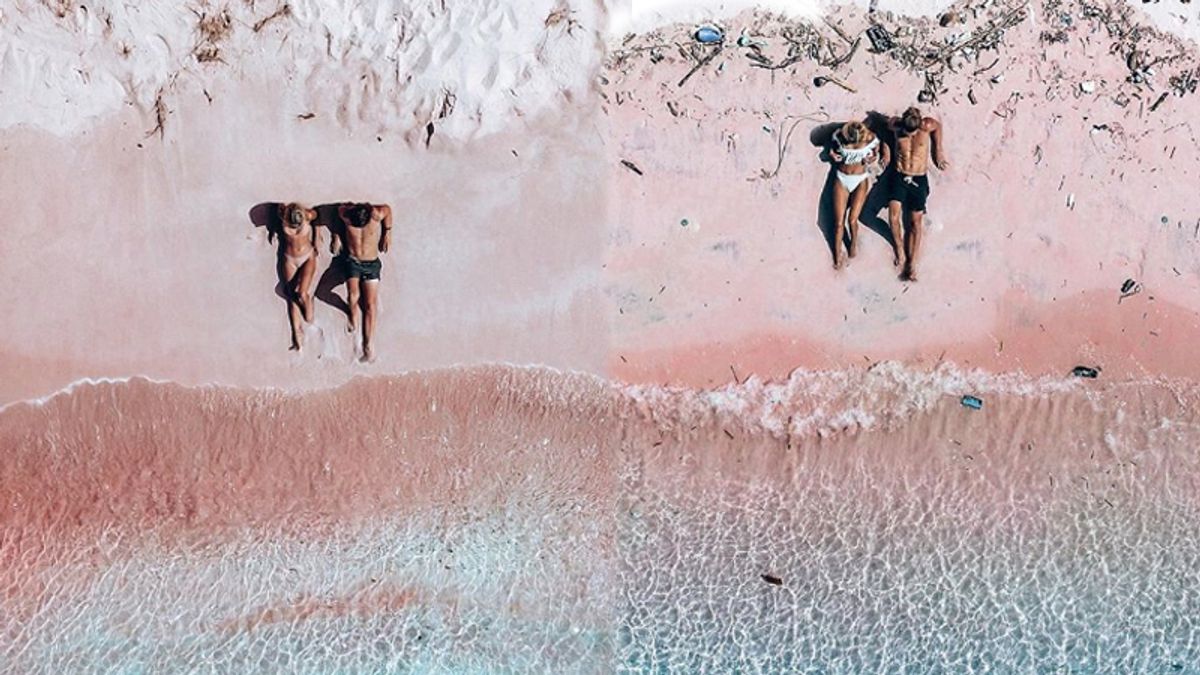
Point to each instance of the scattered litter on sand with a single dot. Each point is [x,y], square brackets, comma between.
[1130,287]
[822,80]
[708,35]
[1085,371]
[632,167]
[972,402]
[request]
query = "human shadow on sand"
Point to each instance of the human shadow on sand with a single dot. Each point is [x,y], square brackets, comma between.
[333,276]
[822,137]
[269,215]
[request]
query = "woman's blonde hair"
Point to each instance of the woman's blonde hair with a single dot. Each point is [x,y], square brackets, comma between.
[294,213]
[854,132]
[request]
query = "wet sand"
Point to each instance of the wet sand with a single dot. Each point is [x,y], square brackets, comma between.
[742,460]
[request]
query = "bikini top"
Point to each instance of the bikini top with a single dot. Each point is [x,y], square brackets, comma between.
[853,156]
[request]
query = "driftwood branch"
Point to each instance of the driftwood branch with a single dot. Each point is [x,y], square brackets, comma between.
[701,63]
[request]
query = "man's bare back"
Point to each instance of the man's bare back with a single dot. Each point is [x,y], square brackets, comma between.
[367,241]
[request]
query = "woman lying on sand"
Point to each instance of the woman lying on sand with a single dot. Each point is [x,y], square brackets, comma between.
[298,264]
[853,148]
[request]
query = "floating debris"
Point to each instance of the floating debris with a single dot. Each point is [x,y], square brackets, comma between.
[772,579]
[972,402]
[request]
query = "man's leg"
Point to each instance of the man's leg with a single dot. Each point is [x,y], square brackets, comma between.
[913,243]
[857,199]
[352,286]
[839,221]
[896,220]
[370,312]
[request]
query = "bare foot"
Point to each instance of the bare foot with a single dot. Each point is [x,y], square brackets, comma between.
[853,250]
[368,355]
[899,261]
[910,274]
[838,263]
[350,325]
[297,343]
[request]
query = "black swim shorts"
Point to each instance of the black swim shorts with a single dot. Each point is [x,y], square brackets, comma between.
[911,191]
[367,270]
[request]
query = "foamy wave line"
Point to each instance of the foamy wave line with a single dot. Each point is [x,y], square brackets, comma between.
[531,368]
[81,382]
[807,402]
[828,401]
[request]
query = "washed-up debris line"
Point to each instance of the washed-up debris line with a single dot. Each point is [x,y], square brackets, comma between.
[1151,57]
[961,49]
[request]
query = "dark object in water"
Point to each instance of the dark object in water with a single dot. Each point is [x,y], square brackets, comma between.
[973,402]
[631,166]
[772,579]
[881,40]
[1085,371]
[1128,286]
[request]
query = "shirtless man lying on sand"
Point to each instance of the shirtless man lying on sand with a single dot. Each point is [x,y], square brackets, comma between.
[298,242]
[917,137]
[366,231]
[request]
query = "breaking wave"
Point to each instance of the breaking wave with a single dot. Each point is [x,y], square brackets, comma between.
[505,518]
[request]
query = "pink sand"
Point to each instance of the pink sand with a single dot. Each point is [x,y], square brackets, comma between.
[1011,278]
[532,248]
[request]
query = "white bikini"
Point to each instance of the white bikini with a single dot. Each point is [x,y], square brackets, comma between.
[852,157]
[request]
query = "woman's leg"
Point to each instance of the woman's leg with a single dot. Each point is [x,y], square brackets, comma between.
[304,287]
[290,278]
[857,200]
[839,221]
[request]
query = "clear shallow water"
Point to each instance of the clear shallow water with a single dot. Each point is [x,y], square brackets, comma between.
[510,520]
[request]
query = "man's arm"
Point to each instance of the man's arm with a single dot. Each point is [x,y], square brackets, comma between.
[937,143]
[385,237]
[885,153]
